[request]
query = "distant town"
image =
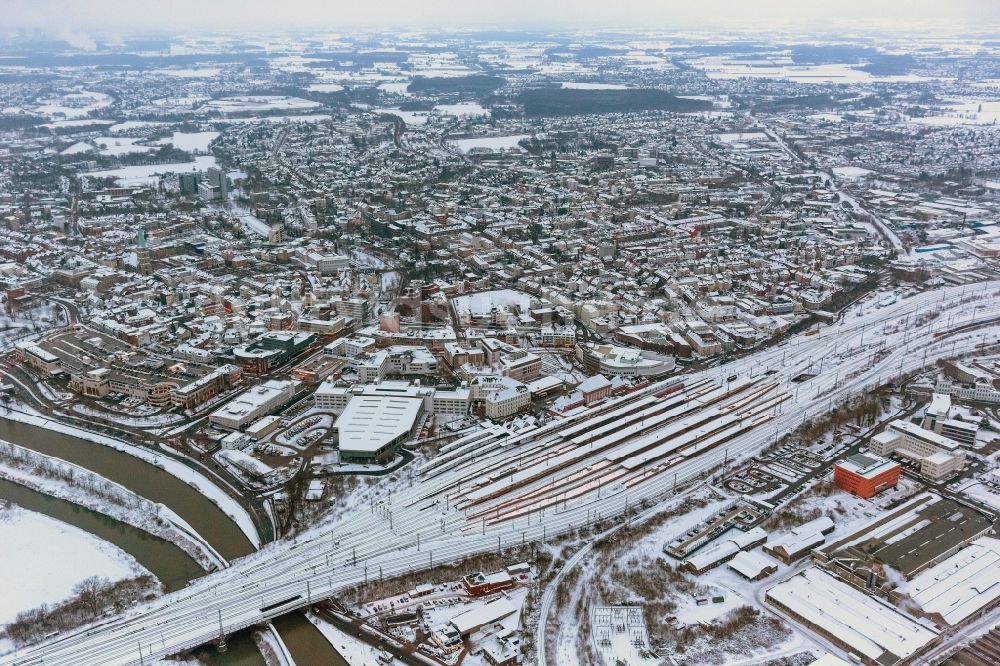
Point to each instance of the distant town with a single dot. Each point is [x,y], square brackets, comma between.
[500,347]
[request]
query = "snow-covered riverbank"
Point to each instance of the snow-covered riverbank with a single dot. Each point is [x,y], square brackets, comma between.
[75,484]
[192,477]
[43,559]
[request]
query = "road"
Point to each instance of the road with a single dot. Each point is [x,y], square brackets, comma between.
[506,489]
[884,229]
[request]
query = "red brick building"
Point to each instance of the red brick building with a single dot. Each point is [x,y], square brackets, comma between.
[478,584]
[866,476]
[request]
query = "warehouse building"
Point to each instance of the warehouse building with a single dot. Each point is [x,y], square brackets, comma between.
[724,550]
[373,426]
[965,585]
[867,627]
[796,544]
[920,533]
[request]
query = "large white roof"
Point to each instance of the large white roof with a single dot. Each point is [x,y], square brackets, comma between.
[962,584]
[869,625]
[369,422]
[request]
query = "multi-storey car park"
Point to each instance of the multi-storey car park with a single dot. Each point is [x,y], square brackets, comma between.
[494,489]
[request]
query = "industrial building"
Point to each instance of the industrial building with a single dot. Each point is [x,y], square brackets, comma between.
[866,476]
[863,625]
[373,425]
[796,544]
[963,586]
[925,530]
[480,584]
[724,550]
[753,565]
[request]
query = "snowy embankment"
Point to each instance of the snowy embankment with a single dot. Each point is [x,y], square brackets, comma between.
[43,559]
[271,647]
[75,484]
[354,651]
[176,468]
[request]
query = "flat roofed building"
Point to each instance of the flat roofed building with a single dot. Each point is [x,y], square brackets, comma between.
[249,406]
[830,660]
[724,550]
[937,410]
[796,544]
[373,427]
[333,398]
[753,565]
[866,476]
[961,586]
[855,621]
[962,432]
[474,619]
[940,457]
[37,357]
[480,584]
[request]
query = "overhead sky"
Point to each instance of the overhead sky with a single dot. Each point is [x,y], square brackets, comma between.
[92,17]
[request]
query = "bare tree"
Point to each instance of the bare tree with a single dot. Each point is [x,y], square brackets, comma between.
[91,592]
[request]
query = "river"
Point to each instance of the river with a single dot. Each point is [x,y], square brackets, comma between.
[138,476]
[165,560]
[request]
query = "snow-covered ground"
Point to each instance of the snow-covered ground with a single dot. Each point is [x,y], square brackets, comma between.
[190,141]
[366,260]
[193,478]
[143,174]
[258,103]
[491,142]
[575,85]
[483,302]
[462,109]
[354,651]
[49,475]
[42,559]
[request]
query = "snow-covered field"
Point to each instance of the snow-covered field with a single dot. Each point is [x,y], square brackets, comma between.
[190,141]
[965,112]
[483,302]
[117,146]
[325,87]
[462,109]
[492,142]
[573,85]
[73,105]
[730,67]
[42,559]
[408,117]
[850,172]
[258,103]
[150,173]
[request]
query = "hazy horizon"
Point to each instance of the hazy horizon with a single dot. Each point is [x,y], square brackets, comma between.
[82,21]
